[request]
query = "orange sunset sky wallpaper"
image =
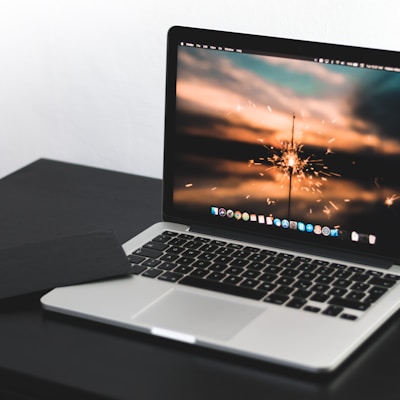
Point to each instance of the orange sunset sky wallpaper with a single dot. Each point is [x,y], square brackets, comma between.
[296,139]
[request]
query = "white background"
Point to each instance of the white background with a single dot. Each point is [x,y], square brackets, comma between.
[83,80]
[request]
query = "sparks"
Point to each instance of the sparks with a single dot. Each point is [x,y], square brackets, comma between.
[390,200]
[290,163]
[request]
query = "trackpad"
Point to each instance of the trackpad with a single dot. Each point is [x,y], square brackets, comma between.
[199,315]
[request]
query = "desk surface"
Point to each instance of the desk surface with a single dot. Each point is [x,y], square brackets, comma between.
[43,355]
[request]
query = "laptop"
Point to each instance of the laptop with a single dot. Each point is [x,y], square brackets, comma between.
[281,202]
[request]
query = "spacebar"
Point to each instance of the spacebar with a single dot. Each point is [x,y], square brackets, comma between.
[222,287]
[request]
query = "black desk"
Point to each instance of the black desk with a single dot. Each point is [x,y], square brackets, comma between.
[48,356]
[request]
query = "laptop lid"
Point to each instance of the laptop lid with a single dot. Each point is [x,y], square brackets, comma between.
[283,140]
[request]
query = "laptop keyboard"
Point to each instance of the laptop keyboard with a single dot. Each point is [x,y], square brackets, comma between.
[313,285]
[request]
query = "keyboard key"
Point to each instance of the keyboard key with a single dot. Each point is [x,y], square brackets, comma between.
[151,262]
[273,269]
[218,242]
[193,245]
[224,251]
[289,272]
[342,274]
[199,273]
[163,238]
[152,273]
[235,246]
[222,287]
[169,257]
[175,250]
[303,259]
[135,259]
[256,257]
[284,290]
[217,267]
[348,303]
[283,280]
[150,253]
[208,248]
[320,297]
[387,283]
[307,267]
[359,277]
[201,264]
[274,260]
[320,288]
[250,274]
[239,262]
[256,266]
[320,262]
[290,264]
[223,259]
[252,249]
[249,283]
[296,303]
[268,252]
[355,295]
[170,276]
[374,294]
[190,253]
[300,284]
[170,233]
[183,269]
[156,246]
[234,270]
[276,298]
[392,276]
[286,256]
[333,311]
[349,317]
[207,256]
[337,292]
[312,309]
[267,286]
[177,242]
[302,293]
[216,276]
[186,236]
[374,273]
[241,254]
[356,269]
[137,269]
[324,279]
[343,283]
[233,279]
[167,266]
[338,266]
[307,276]
[185,260]
[362,287]
[324,270]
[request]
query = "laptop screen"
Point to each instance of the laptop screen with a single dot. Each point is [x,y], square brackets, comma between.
[284,139]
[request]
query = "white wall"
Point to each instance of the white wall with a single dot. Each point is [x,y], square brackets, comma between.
[83,80]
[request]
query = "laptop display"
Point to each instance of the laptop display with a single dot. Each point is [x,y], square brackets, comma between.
[300,146]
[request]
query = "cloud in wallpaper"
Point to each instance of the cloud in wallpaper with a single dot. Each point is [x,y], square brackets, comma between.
[298,139]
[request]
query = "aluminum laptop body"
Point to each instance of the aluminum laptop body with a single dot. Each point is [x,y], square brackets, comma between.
[275,149]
